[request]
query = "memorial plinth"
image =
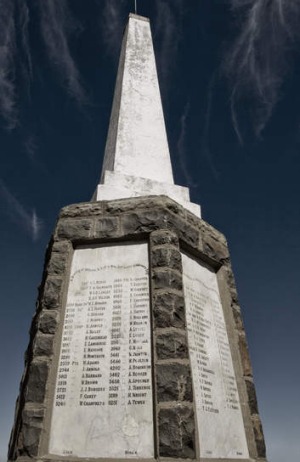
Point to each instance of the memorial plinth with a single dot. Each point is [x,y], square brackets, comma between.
[137,347]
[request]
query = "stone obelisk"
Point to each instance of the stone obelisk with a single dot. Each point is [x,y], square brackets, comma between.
[137,347]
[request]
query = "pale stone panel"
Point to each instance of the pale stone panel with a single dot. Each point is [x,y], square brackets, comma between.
[219,417]
[103,396]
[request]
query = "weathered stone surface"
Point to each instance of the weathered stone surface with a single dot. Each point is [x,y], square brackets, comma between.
[251,396]
[32,428]
[247,369]
[214,242]
[131,204]
[173,382]
[176,432]
[259,436]
[47,322]
[143,221]
[237,317]
[171,344]
[185,231]
[164,237]
[176,208]
[62,247]
[168,310]
[43,345]
[82,209]
[166,278]
[166,256]
[37,378]
[57,264]
[106,227]
[52,293]
[166,223]
[75,229]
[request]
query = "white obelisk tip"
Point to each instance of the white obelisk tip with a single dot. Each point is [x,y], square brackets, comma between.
[137,142]
[137,158]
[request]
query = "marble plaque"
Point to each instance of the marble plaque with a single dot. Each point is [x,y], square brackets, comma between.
[219,417]
[103,395]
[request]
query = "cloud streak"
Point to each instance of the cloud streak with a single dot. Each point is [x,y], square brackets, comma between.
[257,60]
[56,22]
[181,148]
[206,129]
[28,221]
[112,24]
[56,25]
[7,63]
[168,29]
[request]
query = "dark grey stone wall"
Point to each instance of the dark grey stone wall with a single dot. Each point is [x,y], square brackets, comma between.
[168,228]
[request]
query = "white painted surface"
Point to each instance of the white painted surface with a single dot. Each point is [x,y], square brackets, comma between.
[137,142]
[118,186]
[103,397]
[137,159]
[219,417]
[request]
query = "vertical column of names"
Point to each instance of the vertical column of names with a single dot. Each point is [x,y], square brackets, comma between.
[220,421]
[104,374]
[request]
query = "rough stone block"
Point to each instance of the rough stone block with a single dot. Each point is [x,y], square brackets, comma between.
[237,317]
[52,293]
[175,208]
[37,378]
[61,247]
[133,204]
[168,310]
[143,221]
[251,396]
[106,227]
[214,243]
[173,382]
[75,229]
[176,432]
[166,256]
[171,344]
[57,264]
[32,428]
[82,209]
[47,322]
[164,237]
[166,278]
[247,369]
[43,345]
[259,436]
[185,231]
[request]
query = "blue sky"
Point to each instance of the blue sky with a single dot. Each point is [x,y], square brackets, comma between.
[229,73]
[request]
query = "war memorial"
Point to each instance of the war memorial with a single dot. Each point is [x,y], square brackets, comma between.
[137,347]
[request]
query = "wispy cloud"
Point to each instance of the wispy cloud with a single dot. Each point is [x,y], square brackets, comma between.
[257,61]
[28,221]
[31,147]
[7,63]
[56,23]
[23,26]
[181,146]
[112,24]
[167,26]
[205,145]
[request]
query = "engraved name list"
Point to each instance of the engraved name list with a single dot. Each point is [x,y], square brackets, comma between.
[104,383]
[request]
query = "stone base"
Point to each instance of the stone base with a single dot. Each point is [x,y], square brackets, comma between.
[169,229]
